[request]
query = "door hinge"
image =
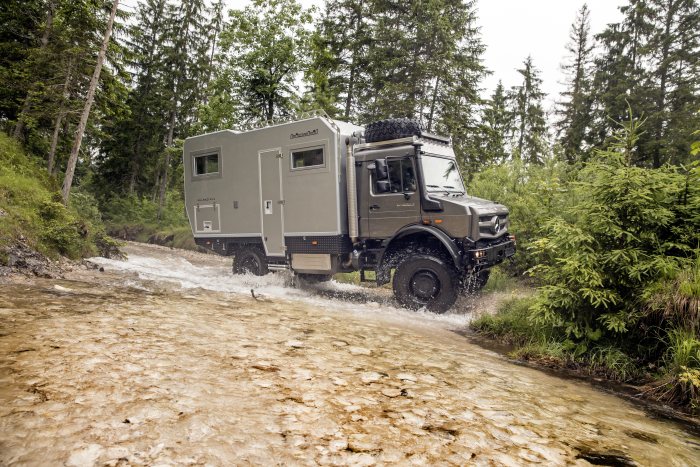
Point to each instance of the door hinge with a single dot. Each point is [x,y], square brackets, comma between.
[281,202]
[279,156]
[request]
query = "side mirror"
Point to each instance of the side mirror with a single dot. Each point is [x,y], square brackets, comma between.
[380,170]
[382,186]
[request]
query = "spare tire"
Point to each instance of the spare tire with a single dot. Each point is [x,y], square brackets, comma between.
[392,128]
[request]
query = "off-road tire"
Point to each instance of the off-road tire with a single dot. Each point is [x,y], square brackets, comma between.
[426,280]
[476,282]
[392,128]
[250,260]
[313,278]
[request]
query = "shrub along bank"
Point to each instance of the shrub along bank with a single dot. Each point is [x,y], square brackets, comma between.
[33,221]
[615,249]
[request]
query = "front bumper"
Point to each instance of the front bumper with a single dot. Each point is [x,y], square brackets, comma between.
[491,255]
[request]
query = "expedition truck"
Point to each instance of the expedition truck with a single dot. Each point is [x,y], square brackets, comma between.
[319,196]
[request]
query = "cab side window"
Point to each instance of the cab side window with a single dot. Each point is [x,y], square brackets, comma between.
[401,175]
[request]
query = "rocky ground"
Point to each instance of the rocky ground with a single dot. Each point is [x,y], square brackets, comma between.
[127,367]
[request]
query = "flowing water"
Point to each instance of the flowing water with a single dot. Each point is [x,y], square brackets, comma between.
[168,359]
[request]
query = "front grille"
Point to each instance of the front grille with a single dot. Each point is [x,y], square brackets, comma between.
[493,225]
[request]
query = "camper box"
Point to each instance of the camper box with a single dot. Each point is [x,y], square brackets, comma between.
[281,188]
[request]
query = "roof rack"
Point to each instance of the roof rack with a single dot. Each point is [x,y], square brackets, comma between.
[424,137]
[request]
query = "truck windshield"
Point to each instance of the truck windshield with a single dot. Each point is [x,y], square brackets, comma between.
[442,174]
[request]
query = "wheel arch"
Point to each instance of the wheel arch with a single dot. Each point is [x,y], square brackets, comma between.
[411,235]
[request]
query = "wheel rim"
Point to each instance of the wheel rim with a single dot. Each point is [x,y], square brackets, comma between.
[425,285]
[250,265]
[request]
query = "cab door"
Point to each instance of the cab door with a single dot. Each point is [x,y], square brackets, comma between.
[400,205]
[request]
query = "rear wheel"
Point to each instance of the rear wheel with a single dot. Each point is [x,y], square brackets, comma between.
[426,281]
[250,261]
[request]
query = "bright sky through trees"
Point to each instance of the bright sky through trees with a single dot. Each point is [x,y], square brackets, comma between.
[514,29]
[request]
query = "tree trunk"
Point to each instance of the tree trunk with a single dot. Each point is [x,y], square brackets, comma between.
[353,66]
[663,72]
[166,164]
[19,127]
[59,118]
[73,159]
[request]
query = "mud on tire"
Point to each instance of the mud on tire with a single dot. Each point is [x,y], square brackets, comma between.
[392,128]
[428,281]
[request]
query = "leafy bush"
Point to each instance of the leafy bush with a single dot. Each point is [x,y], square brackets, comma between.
[532,193]
[630,228]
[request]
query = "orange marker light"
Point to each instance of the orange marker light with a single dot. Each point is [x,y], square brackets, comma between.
[438,221]
[426,222]
[314,242]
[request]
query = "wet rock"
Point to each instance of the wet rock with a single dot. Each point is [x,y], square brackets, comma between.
[295,344]
[359,351]
[338,445]
[61,289]
[391,392]
[84,456]
[340,382]
[370,377]
[407,377]
[360,442]
[21,258]
[613,458]
[339,343]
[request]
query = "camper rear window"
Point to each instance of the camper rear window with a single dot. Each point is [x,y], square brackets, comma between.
[206,164]
[307,158]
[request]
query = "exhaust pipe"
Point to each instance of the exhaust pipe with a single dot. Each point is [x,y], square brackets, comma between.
[351,182]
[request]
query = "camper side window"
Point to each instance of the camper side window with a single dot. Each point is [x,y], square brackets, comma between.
[307,158]
[206,164]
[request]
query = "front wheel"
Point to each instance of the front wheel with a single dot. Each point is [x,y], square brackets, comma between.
[426,281]
[250,261]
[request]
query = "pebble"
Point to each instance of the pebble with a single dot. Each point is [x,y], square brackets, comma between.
[360,442]
[407,377]
[391,392]
[295,344]
[359,351]
[370,377]
[59,288]
[338,445]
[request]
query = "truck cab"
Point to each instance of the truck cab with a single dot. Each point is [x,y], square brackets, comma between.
[415,217]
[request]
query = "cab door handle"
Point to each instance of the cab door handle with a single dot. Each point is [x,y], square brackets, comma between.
[374,207]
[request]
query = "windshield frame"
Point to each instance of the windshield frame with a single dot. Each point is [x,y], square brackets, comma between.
[442,188]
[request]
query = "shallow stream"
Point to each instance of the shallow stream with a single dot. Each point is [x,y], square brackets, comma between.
[168,359]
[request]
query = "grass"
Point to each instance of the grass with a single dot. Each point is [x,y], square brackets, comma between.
[500,281]
[541,343]
[34,213]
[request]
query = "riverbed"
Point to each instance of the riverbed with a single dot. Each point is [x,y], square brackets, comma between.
[169,359]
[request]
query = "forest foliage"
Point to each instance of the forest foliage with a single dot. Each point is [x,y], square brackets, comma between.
[603,189]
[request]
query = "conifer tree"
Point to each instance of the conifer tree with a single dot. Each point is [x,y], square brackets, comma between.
[574,110]
[529,125]
[89,100]
[496,126]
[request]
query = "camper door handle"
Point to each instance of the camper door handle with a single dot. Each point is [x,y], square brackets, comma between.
[374,207]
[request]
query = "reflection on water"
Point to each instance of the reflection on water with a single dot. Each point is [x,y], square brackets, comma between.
[167,361]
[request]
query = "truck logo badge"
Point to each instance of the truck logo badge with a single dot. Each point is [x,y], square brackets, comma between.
[304,134]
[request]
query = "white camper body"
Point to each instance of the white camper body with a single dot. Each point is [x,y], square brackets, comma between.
[281,187]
